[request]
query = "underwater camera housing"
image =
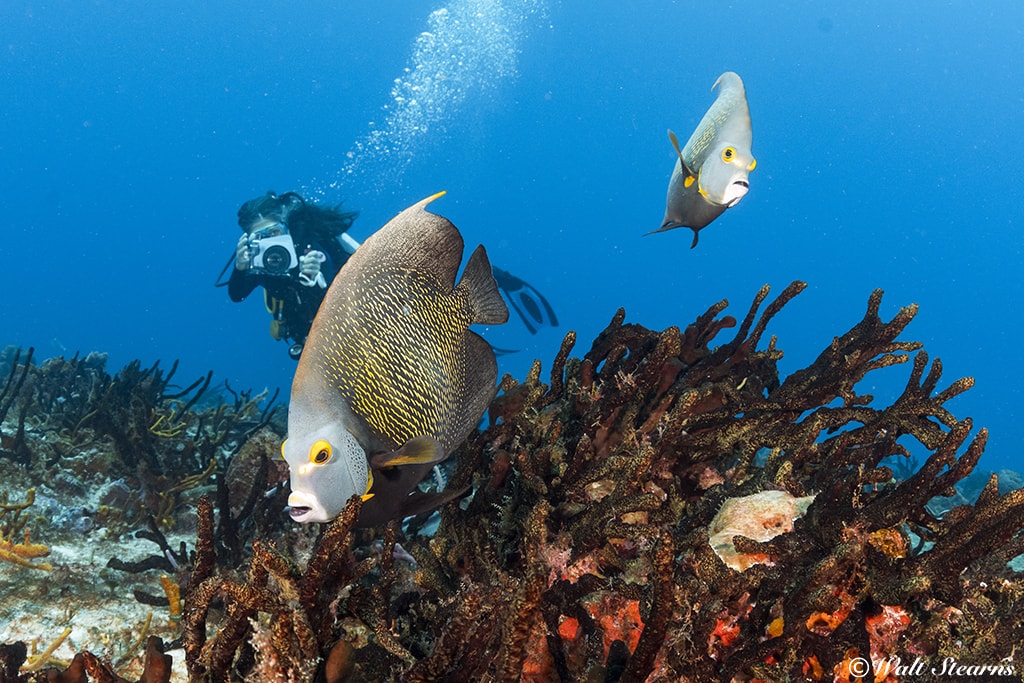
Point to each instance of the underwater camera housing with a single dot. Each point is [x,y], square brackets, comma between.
[272,250]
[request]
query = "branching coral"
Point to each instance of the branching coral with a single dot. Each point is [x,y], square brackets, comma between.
[136,411]
[14,447]
[148,423]
[632,450]
[290,606]
[84,668]
[584,550]
[16,546]
[76,423]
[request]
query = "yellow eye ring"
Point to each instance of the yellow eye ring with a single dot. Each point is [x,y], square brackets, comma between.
[320,453]
[728,154]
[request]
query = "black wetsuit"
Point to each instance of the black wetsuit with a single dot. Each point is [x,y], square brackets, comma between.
[290,302]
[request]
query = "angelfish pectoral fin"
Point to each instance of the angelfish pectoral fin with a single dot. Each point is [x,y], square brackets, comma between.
[420,450]
[690,175]
[369,485]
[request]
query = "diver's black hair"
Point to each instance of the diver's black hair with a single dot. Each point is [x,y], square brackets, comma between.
[305,221]
[320,222]
[322,225]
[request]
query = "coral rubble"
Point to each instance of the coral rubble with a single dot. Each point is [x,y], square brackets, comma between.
[665,508]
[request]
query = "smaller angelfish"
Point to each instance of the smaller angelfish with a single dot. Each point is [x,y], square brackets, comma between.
[712,169]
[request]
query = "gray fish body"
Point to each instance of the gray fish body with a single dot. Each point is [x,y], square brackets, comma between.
[685,206]
[391,379]
[712,169]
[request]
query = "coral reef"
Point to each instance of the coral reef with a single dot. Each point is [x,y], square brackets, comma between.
[97,466]
[84,668]
[138,416]
[606,481]
[584,549]
[12,523]
[761,517]
[297,603]
[76,423]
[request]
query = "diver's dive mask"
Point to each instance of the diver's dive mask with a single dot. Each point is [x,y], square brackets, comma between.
[271,248]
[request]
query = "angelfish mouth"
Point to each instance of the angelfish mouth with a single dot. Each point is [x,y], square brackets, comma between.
[297,512]
[740,193]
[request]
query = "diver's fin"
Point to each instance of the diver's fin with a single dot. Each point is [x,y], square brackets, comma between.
[419,450]
[498,351]
[477,278]
[522,295]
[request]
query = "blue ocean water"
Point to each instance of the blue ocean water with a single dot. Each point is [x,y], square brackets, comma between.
[888,139]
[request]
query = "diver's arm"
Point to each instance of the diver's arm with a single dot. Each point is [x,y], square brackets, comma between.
[241,283]
[337,255]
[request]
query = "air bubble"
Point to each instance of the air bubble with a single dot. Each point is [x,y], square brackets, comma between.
[469,47]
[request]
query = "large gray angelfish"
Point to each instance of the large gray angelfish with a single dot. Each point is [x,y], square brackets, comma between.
[391,379]
[712,169]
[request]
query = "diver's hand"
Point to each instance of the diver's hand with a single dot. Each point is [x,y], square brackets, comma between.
[309,264]
[242,253]
[309,269]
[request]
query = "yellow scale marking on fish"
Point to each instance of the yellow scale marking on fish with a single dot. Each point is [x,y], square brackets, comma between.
[708,134]
[395,366]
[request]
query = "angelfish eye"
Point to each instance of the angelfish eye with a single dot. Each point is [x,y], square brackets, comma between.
[320,452]
[727,154]
[282,448]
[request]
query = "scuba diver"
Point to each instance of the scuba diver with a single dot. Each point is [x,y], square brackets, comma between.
[293,249]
